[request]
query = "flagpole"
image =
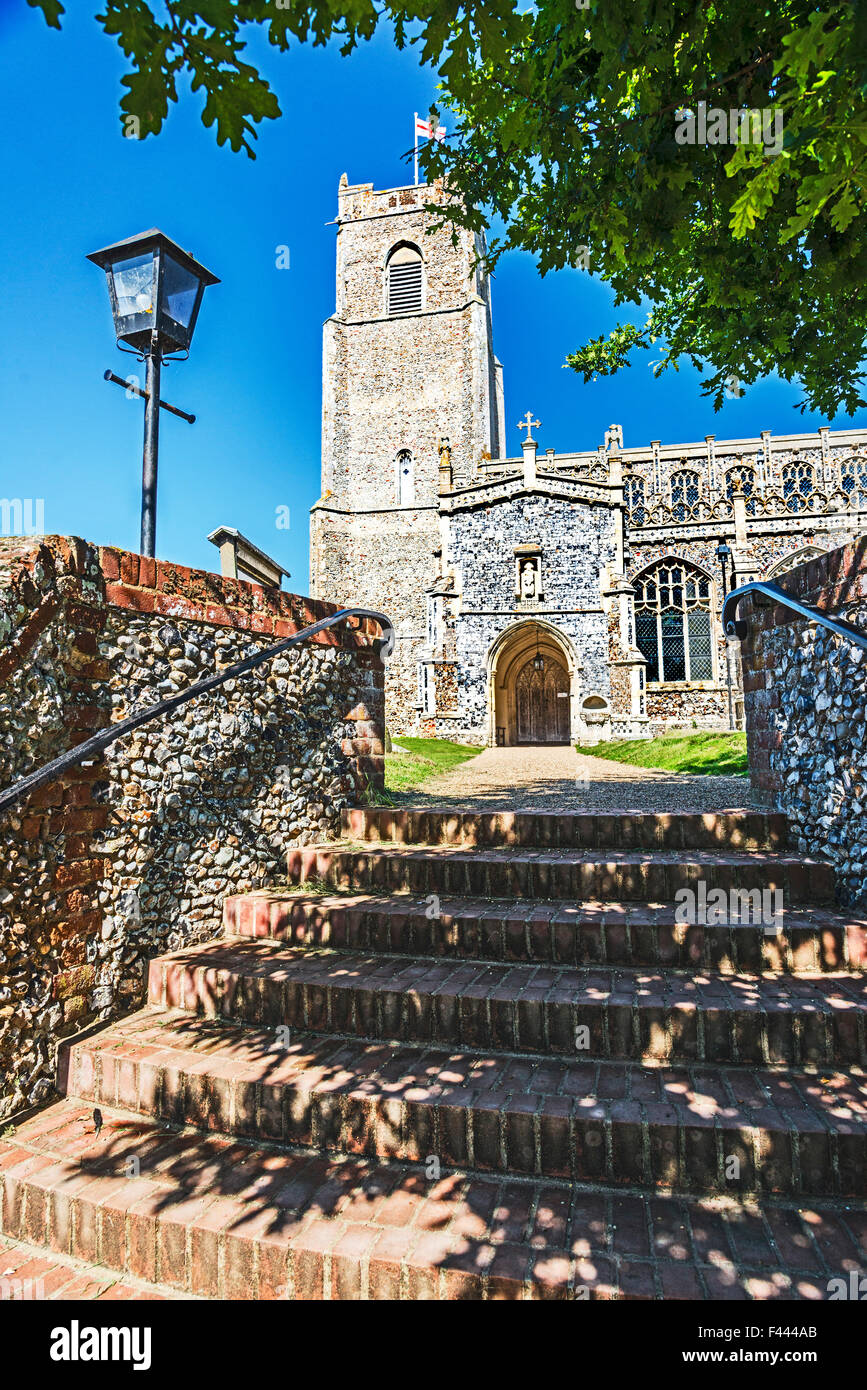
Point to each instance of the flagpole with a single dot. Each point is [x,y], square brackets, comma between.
[415,138]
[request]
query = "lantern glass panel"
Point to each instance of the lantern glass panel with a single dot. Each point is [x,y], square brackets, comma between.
[134,285]
[180,288]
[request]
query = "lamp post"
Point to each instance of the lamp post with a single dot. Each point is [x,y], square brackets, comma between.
[723,554]
[156,292]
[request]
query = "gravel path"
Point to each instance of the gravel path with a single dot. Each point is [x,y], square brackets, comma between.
[560,779]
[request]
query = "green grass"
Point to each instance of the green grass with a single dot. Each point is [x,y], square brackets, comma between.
[708,753]
[424,758]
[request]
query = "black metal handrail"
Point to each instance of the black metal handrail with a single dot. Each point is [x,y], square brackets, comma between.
[734,627]
[84,752]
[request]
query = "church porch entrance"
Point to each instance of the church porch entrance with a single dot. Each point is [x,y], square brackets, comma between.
[542,703]
[531,697]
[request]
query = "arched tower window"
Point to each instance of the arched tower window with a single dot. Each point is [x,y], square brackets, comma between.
[633,496]
[742,478]
[798,485]
[405,479]
[673,622]
[684,493]
[404,289]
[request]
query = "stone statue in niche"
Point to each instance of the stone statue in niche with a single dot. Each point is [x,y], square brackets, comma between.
[529,579]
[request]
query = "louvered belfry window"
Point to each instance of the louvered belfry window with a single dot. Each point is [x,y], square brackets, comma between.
[404,281]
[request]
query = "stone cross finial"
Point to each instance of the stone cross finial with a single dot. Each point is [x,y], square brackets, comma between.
[528,424]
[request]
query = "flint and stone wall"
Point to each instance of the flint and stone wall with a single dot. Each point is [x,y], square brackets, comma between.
[132,855]
[577,542]
[805,696]
[384,560]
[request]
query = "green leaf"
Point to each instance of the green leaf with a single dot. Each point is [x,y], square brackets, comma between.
[52,9]
[563,129]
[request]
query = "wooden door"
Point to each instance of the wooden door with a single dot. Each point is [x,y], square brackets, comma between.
[542,701]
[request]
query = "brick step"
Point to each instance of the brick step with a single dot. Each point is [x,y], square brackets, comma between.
[721,830]
[663,1015]
[219,1218]
[586,933]
[644,876]
[616,1123]
[31,1273]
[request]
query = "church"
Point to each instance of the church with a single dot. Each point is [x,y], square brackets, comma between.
[540,597]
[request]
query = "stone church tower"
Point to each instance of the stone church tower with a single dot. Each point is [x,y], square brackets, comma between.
[408,375]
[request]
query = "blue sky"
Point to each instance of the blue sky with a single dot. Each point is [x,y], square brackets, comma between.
[72,183]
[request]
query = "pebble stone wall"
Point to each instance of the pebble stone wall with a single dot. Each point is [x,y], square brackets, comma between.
[132,855]
[805,695]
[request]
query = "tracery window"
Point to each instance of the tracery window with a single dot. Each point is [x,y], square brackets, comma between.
[798,485]
[853,477]
[684,494]
[633,496]
[745,478]
[673,622]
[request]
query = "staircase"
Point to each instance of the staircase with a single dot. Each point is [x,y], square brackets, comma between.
[474,1056]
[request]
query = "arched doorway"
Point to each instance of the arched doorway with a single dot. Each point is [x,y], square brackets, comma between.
[532,674]
[542,702]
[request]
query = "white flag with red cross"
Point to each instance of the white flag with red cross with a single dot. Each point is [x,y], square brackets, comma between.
[425,131]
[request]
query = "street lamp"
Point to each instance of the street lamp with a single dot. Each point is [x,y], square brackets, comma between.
[723,554]
[156,291]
